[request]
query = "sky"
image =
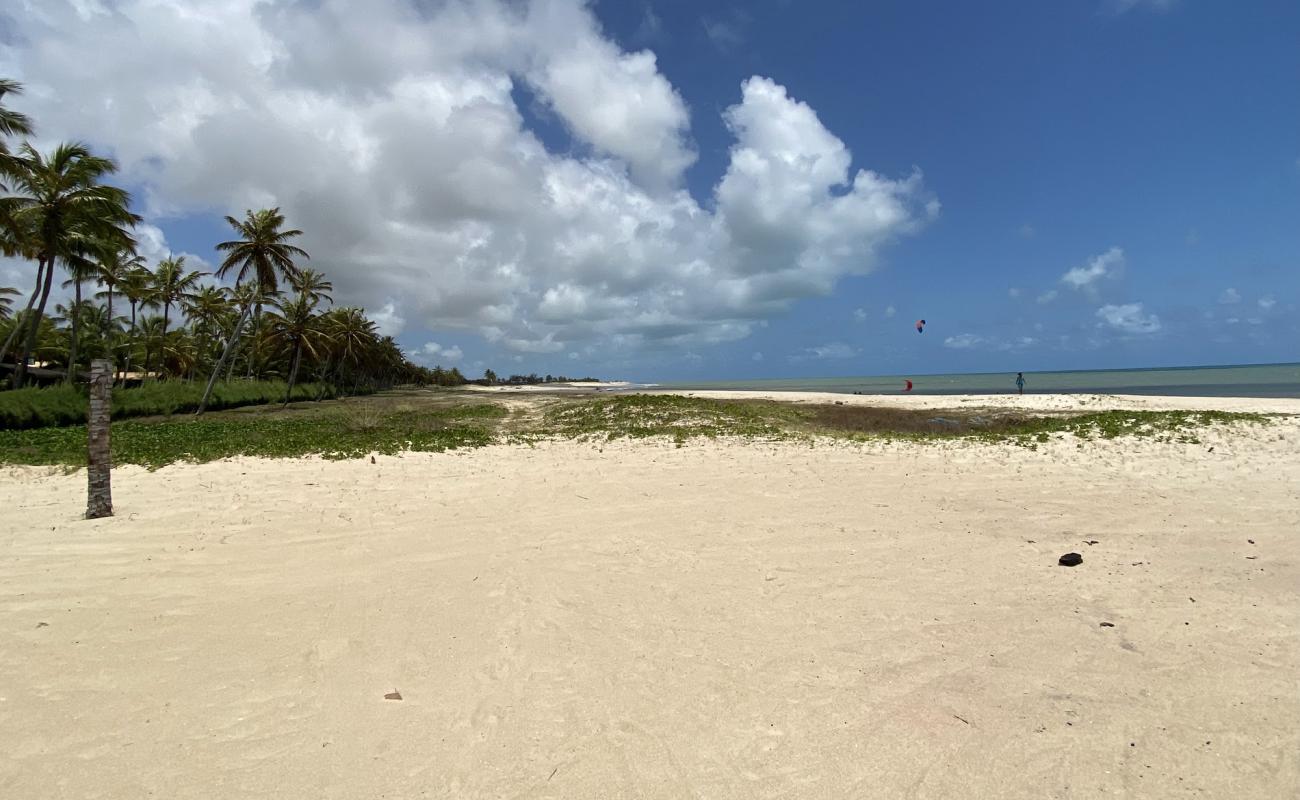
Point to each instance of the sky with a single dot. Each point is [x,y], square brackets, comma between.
[660,190]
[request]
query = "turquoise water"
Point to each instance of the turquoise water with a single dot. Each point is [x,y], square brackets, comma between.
[1264,380]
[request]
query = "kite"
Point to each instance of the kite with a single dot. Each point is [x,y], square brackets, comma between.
[920,326]
[908,388]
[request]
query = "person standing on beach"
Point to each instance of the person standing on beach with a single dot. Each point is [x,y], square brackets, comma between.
[1020,382]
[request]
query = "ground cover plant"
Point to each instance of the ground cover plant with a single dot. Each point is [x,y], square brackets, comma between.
[339,433]
[435,420]
[66,404]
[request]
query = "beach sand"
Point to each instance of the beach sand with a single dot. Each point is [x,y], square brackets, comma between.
[722,620]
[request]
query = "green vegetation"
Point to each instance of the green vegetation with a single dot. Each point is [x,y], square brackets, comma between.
[66,405]
[424,420]
[641,416]
[336,434]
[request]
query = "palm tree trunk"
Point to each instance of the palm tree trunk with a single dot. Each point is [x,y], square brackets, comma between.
[162,341]
[130,346]
[20,373]
[76,320]
[225,354]
[21,321]
[293,369]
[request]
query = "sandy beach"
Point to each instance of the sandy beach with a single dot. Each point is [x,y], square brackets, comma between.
[728,619]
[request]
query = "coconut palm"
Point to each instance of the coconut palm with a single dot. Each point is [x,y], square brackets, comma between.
[262,256]
[68,214]
[6,305]
[173,285]
[112,268]
[12,123]
[298,330]
[207,309]
[314,285]
[82,270]
[137,287]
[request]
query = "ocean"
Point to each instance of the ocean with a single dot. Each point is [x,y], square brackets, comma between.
[1258,380]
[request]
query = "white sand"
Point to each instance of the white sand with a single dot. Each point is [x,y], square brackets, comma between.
[1028,402]
[721,620]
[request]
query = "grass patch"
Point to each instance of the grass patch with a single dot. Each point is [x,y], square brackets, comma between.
[432,420]
[34,407]
[682,418]
[1017,427]
[341,434]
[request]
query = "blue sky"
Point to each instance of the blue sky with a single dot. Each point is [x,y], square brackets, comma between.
[1117,184]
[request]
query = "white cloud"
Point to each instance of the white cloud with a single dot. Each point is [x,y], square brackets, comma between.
[1128,318]
[833,350]
[388,322]
[1013,292]
[726,34]
[756,357]
[1124,6]
[890,311]
[432,352]
[859,315]
[390,134]
[963,341]
[970,341]
[1267,302]
[1109,264]
[1230,296]
[1046,297]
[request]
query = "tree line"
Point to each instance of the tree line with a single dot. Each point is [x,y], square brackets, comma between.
[165,321]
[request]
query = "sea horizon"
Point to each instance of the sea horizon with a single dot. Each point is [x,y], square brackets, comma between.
[1215,380]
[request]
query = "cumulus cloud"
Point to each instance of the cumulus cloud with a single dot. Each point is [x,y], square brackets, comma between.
[391,135]
[859,315]
[1125,6]
[963,341]
[1109,264]
[1128,318]
[890,311]
[1230,296]
[1267,302]
[1046,297]
[970,341]
[432,352]
[833,350]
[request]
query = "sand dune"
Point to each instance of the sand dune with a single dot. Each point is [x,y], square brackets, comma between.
[730,619]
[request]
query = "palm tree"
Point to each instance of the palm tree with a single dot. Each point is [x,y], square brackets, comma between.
[313,284]
[112,269]
[82,270]
[14,239]
[353,337]
[5,303]
[68,213]
[207,309]
[12,123]
[294,325]
[137,288]
[262,255]
[173,285]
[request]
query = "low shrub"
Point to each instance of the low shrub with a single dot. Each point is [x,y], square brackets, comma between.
[66,405]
